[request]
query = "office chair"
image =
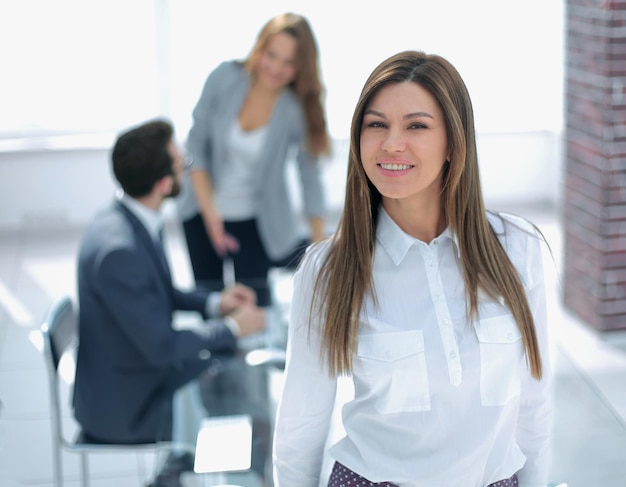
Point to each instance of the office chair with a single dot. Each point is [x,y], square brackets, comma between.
[60,335]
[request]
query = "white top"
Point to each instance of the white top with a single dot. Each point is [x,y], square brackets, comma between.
[439,401]
[234,196]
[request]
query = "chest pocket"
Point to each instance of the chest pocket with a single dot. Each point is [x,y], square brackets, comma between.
[394,368]
[501,353]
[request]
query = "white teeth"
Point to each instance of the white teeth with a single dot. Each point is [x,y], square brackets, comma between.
[395,167]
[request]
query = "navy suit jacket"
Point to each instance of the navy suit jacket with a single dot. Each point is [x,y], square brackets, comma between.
[130,360]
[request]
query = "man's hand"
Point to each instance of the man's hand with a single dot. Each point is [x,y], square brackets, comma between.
[235,296]
[250,318]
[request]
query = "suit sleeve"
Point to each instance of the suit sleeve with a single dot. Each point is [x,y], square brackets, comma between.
[141,309]
[192,301]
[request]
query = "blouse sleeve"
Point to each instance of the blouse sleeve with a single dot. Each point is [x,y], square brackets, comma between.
[310,171]
[198,139]
[535,415]
[308,397]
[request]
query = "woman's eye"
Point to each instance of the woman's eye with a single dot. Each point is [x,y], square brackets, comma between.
[375,124]
[417,126]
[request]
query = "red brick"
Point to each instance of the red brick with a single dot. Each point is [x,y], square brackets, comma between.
[594,210]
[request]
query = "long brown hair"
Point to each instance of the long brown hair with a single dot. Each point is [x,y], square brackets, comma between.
[306,85]
[346,273]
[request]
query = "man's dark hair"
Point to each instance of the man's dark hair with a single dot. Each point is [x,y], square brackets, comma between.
[140,157]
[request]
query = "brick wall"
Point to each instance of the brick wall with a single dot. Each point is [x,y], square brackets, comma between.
[594,279]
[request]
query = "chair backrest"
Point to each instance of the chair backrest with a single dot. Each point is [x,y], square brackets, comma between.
[60,329]
[59,332]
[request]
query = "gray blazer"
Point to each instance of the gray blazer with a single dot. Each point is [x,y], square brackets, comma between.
[130,359]
[218,107]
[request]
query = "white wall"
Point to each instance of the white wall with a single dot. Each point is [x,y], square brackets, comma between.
[53,187]
[65,184]
[521,168]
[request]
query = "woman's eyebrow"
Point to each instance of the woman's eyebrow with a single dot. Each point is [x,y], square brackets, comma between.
[417,115]
[374,112]
[405,117]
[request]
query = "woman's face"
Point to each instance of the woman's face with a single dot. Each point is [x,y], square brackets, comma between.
[278,64]
[404,143]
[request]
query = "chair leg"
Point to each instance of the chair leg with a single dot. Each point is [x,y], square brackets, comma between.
[141,466]
[57,466]
[84,469]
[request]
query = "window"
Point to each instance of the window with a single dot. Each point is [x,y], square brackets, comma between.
[75,67]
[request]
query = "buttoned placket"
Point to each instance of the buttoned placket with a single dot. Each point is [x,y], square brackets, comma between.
[430,255]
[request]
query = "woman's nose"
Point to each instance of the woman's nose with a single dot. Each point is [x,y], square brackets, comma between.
[394,141]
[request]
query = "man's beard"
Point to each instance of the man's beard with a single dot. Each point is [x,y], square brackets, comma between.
[175,191]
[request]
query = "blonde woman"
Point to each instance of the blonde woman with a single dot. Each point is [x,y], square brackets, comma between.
[434,306]
[252,115]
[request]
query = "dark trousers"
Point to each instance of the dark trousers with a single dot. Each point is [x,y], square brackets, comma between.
[158,412]
[251,264]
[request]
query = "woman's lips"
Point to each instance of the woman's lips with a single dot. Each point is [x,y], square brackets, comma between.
[394,168]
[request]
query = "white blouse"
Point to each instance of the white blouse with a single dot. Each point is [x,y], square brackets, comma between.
[439,400]
[236,196]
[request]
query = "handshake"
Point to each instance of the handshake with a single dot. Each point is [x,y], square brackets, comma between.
[239,303]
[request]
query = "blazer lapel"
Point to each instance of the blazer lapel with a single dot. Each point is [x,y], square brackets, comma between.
[154,249]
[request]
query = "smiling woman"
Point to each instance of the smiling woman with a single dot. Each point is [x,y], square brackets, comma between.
[252,116]
[432,306]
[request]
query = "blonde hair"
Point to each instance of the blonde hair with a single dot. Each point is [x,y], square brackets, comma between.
[306,85]
[346,273]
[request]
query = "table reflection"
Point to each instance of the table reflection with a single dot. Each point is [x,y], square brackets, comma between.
[239,385]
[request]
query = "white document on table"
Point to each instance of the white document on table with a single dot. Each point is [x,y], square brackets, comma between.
[224,444]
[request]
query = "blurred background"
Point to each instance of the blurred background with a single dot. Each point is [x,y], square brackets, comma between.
[75,73]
